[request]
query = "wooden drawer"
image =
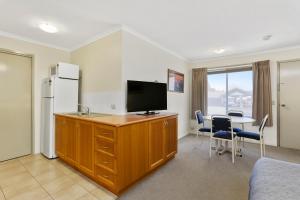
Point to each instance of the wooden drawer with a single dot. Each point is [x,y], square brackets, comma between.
[107,132]
[105,161]
[105,176]
[104,146]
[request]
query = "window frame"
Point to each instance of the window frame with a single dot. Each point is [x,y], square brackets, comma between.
[227,71]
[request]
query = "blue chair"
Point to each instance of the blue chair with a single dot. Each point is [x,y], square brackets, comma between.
[236,113]
[200,121]
[257,136]
[223,131]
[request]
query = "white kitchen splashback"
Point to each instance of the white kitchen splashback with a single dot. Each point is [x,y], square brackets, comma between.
[105,102]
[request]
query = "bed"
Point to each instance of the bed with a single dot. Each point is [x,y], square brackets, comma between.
[274,180]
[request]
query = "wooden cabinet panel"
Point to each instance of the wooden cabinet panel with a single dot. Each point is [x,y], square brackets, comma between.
[60,137]
[171,137]
[104,131]
[156,143]
[104,146]
[133,156]
[105,177]
[105,161]
[71,141]
[86,147]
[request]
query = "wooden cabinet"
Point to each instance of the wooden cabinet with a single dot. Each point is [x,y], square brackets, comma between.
[106,178]
[156,143]
[132,153]
[70,141]
[85,147]
[74,143]
[60,136]
[162,141]
[171,137]
[105,155]
[116,155]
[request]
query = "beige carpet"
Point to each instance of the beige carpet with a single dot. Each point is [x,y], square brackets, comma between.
[193,176]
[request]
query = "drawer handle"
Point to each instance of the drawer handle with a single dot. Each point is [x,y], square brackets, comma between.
[105,147]
[106,162]
[105,133]
[105,176]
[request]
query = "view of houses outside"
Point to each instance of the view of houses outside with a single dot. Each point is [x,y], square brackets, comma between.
[237,96]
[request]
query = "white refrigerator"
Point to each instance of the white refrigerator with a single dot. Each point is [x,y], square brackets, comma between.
[59,95]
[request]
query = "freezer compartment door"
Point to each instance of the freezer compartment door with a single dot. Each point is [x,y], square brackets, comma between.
[65,95]
[67,70]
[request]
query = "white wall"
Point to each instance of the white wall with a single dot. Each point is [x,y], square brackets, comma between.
[144,61]
[100,64]
[43,58]
[109,62]
[274,57]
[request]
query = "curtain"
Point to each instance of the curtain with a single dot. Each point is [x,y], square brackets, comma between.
[262,97]
[199,91]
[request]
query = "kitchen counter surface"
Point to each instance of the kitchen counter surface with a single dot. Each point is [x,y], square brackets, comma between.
[118,120]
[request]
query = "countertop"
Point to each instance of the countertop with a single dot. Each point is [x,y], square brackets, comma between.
[119,120]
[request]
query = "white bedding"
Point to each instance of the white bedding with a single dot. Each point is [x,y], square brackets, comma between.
[275,180]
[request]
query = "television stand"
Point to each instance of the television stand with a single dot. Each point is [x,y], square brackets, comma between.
[148,113]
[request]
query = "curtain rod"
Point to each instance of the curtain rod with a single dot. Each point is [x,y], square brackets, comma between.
[232,66]
[229,67]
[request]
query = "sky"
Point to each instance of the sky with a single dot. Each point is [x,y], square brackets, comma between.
[241,80]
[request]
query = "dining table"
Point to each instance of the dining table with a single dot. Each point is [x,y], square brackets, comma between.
[234,120]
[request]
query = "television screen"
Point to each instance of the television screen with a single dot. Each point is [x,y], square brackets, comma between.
[146,96]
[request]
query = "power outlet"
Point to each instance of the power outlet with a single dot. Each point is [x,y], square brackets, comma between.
[113,106]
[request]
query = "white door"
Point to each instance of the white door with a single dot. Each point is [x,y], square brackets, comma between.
[15,106]
[289,104]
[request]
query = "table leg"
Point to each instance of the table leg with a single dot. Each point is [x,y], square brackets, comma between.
[239,149]
[224,150]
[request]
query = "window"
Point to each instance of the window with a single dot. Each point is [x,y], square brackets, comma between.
[230,90]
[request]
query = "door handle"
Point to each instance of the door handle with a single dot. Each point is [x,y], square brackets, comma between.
[283,105]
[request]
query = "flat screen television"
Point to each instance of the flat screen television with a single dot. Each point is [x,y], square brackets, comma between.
[146,96]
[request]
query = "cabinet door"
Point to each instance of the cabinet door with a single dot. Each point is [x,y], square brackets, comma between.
[60,137]
[133,152]
[171,137]
[71,139]
[86,147]
[156,143]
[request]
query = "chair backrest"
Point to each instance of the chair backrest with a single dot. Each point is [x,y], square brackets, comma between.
[199,116]
[263,124]
[220,123]
[235,113]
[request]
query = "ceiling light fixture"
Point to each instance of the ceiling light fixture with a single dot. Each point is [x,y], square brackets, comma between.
[219,51]
[266,37]
[48,28]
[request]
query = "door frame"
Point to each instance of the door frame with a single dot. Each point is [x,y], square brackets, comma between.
[31,56]
[278,95]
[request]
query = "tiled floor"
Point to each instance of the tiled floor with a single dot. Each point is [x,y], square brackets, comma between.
[36,178]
